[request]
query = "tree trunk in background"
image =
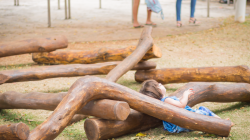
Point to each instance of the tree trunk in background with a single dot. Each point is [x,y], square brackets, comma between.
[33,45]
[200,74]
[91,56]
[17,131]
[71,70]
[106,109]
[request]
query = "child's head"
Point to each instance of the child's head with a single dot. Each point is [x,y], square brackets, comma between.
[151,88]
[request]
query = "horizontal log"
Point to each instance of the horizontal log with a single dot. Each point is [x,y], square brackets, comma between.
[99,129]
[106,109]
[17,131]
[214,92]
[90,57]
[33,45]
[91,88]
[77,118]
[200,74]
[71,70]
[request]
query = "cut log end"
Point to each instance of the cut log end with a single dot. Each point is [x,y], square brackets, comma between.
[91,128]
[22,131]
[122,110]
[157,51]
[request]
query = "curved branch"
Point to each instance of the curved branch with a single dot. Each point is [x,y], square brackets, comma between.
[199,74]
[91,88]
[212,92]
[33,45]
[71,70]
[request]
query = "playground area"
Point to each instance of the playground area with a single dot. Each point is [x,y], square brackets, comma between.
[218,42]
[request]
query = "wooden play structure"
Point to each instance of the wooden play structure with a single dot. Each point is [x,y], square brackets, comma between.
[118,109]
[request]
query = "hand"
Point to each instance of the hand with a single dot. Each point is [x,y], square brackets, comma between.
[189,92]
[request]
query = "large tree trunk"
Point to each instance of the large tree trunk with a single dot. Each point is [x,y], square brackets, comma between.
[200,74]
[96,129]
[90,57]
[106,109]
[33,45]
[211,92]
[71,70]
[17,131]
[92,88]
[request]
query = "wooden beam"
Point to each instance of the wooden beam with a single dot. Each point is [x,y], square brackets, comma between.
[17,131]
[106,109]
[33,45]
[91,56]
[200,74]
[71,70]
[91,88]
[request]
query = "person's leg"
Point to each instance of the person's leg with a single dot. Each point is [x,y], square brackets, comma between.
[148,21]
[135,13]
[192,19]
[178,13]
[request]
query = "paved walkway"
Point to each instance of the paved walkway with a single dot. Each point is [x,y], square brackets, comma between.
[89,23]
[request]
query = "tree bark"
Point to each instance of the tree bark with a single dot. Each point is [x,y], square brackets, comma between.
[106,109]
[90,57]
[71,70]
[99,129]
[200,74]
[33,45]
[211,92]
[92,88]
[17,131]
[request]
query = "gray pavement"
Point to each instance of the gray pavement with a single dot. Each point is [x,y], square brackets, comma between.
[112,22]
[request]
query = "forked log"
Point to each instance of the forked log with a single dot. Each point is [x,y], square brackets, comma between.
[17,131]
[98,129]
[204,92]
[90,57]
[212,92]
[106,109]
[92,88]
[33,45]
[199,74]
[71,70]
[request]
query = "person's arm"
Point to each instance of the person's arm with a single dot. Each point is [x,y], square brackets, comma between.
[183,101]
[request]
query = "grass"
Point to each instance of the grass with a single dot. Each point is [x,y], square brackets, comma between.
[228,45]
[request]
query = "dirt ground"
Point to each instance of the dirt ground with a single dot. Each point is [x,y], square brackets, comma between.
[219,41]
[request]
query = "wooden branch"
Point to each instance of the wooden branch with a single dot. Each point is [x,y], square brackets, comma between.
[71,70]
[90,57]
[106,109]
[92,88]
[77,118]
[200,74]
[211,92]
[99,129]
[17,131]
[33,45]
[145,43]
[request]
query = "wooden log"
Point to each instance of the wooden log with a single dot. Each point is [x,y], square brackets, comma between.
[90,57]
[17,131]
[213,92]
[99,129]
[145,43]
[33,45]
[91,88]
[77,118]
[106,109]
[199,74]
[71,70]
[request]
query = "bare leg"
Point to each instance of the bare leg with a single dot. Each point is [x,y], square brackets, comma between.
[135,13]
[149,22]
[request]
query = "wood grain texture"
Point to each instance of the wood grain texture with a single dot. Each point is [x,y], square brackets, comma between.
[199,74]
[17,131]
[33,45]
[214,92]
[91,88]
[106,109]
[92,56]
[71,70]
